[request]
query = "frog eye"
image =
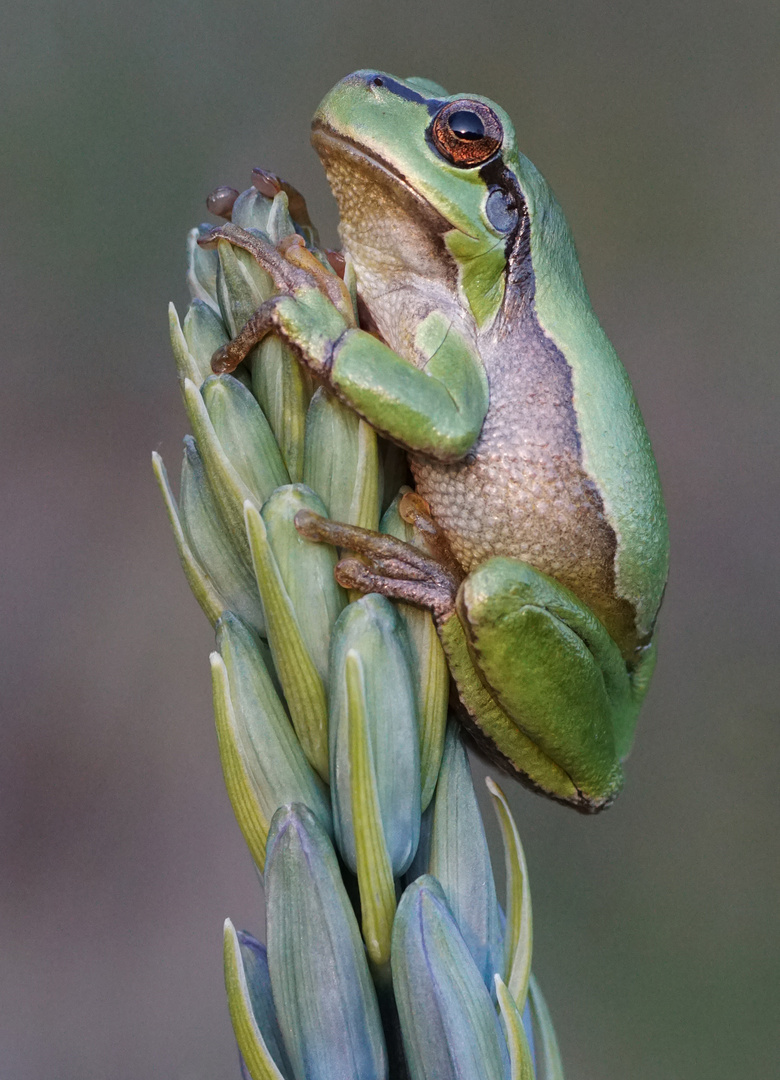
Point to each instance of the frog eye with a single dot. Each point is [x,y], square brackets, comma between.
[466,132]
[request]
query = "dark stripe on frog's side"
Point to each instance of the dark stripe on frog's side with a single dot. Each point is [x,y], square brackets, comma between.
[531,410]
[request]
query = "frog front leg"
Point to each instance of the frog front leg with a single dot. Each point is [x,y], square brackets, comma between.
[437,409]
[545,689]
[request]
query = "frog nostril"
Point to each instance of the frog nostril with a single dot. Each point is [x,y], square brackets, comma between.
[376,81]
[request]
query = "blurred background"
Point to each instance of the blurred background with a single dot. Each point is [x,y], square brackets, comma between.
[656,924]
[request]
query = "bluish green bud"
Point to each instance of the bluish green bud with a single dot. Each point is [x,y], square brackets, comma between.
[227,486]
[450,1028]
[258,979]
[202,586]
[212,544]
[259,730]
[371,629]
[204,333]
[242,285]
[521,1062]
[251,210]
[187,367]
[340,461]
[303,685]
[306,570]
[280,224]
[429,665]
[374,872]
[283,389]
[257,1034]
[244,435]
[324,997]
[202,266]
[460,860]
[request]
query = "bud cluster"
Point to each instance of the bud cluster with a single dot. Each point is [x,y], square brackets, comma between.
[387,953]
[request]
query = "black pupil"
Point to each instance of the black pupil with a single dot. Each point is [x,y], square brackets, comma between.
[466,125]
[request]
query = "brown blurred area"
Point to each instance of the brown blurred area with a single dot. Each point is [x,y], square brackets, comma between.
[656,924]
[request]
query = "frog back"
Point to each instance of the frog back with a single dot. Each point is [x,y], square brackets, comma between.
[562,476]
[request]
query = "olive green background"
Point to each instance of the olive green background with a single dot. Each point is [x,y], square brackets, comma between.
[656,924]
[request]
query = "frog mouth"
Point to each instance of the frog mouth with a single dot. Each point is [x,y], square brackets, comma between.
[327,141]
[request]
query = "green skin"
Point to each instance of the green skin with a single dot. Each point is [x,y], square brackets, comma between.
[522,431]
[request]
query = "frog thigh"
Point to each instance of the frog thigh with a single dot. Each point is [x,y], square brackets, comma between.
[553,668]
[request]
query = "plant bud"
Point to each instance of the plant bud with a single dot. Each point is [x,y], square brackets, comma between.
[302,675]
[245,435]
[251,210]
[460,860]
[242,285]
[251,1011]
[213,546]
[518,932]
[340,461]
[372,630]
[202,264]
[254,725]
[450,1028]
[429,665]
[204,333]
[324,997]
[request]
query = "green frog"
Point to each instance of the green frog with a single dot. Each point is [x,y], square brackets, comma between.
[478,352]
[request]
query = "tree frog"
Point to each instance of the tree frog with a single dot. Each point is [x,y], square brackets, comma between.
[482,357]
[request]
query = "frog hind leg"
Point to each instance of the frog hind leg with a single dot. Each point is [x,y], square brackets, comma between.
[554,671]
[543,688]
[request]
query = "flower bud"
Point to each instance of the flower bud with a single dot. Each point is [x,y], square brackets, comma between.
[429,665]
[283,390]
[251,210]
[242,285]
[245,435]
[372,630]
[202,266]
[204,333]
[280,224]
[460,860]
[212,545]
[324,997]
[202,586]
[300,602]
[256,1028]
[263,761]
[341,461]
[450,1028]
[521,1063]
[373,868]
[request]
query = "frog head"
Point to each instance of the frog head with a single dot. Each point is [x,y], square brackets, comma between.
[429,185]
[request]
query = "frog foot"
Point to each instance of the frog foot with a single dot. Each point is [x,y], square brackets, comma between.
[387,565]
